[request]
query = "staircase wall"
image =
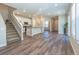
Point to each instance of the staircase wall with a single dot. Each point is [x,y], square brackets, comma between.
[11,32]
[3,41]
[5,11]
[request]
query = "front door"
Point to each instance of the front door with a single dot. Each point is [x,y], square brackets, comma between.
[55,24]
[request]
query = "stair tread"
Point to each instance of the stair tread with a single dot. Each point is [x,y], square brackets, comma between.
[9,27]
[11,39]
[11,30]
[12,35]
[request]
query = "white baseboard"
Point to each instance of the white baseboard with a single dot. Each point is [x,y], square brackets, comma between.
[75,45]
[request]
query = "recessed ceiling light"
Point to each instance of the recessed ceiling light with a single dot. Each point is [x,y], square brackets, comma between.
[40,9]
[55,5]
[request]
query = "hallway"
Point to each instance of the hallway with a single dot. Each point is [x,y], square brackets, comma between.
[47,43]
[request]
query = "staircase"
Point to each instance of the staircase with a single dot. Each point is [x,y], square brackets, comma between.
[12,35]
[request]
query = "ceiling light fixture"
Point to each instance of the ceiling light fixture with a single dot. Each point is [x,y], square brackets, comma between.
[55,5]
[40,9]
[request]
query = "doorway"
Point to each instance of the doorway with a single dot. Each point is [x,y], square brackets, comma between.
[54,24]
[46,25]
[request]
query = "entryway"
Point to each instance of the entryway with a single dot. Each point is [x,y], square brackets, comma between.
[54,24]
[51,24]
[46,25]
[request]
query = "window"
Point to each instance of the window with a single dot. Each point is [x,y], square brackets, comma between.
[46,23]
[73,20]
[69,25]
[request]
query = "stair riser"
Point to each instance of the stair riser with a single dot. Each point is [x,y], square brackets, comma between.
[12,35]
[10,27]
[13,38]
[11,31]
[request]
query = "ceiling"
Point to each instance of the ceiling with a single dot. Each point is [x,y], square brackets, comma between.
[45,9]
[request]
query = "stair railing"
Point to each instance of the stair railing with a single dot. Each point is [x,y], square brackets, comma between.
[17,24]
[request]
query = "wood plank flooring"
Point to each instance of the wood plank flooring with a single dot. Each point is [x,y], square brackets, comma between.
[47,43]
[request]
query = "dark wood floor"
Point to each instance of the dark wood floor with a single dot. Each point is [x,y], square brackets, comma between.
[41,44]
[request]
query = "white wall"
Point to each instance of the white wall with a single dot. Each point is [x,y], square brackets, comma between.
[69,26]
[36,30]
[61,22]
[47,19]
[73,20]
[77,23]
[27,20]
[3,41]
[4,12]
